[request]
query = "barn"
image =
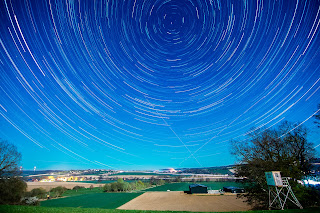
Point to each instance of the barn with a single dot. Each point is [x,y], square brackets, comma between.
[198,188]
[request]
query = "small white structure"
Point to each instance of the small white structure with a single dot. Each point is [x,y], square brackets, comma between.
[280,190]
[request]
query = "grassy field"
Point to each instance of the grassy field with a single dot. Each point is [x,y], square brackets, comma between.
[92,200]
[96,198]
[38,209]
[82,191]
[185,186]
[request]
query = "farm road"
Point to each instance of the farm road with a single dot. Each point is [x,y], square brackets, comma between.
[179,201]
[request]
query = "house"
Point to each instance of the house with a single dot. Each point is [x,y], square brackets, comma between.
[233,189]
[198,188]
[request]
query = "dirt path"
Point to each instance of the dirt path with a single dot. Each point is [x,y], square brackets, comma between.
[50,185]
[179,201]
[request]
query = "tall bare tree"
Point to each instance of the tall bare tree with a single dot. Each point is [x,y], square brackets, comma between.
[12,188]
[9,159]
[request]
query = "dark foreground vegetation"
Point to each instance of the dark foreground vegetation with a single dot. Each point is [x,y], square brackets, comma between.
[283,148]
[36,209]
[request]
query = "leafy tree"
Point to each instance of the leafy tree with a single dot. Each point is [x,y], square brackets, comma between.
[107,187]
[38,192]
[58,191]
[177,179]
[140,185]
[284,149]
[120,184]
[161,182]
[133,185]
[12,188]
[126,186]
[114,187]
[77,188]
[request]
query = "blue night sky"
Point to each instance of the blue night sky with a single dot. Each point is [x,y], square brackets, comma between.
[144,84]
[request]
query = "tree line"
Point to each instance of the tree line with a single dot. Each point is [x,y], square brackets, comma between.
[123,186]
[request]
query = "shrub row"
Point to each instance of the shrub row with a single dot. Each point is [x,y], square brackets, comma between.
[122,186]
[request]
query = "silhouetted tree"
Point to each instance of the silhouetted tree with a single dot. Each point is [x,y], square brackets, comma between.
[9,159]
[12,190]
[12,187]
[284,149]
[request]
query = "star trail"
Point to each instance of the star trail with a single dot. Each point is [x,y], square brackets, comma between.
[135,84]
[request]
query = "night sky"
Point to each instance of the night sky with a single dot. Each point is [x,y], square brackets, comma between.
[144,84]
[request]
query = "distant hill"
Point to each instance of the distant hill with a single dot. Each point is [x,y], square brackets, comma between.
[39,172]
[217,170]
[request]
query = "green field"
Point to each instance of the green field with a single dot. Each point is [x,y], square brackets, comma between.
[92,200]
[96,198]
[82,191]
[184,186]
[38,209]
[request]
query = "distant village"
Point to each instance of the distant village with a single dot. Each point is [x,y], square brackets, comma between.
[98,175]
[222,173]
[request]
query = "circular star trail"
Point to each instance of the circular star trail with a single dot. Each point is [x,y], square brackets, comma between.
[152,84]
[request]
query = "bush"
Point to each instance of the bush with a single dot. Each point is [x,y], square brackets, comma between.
[78,187]
[12,190]
[157,182]
[140,185]
[106,187]
[133,186]
[58,191]
[114,186]
[40,193]
[30,201]
[308,196]
[126,186]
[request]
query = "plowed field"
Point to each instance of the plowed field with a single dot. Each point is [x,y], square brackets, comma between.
[179,201]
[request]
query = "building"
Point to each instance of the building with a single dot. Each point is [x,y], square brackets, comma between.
[233,189]
[198,188]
